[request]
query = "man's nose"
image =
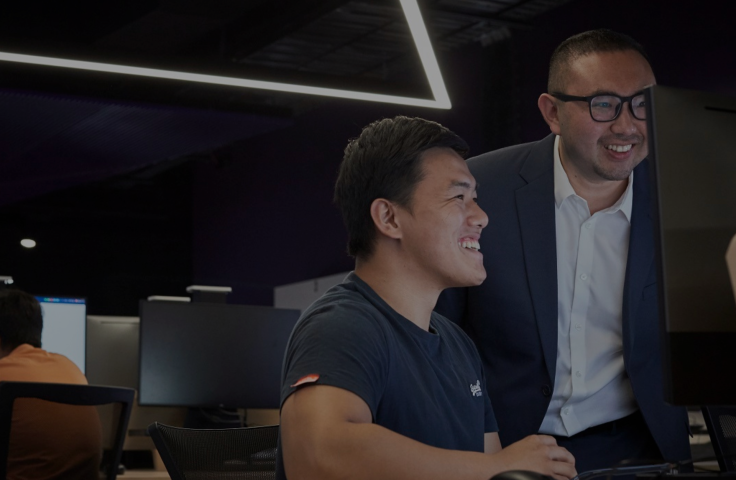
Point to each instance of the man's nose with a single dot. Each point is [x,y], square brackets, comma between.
[478,217]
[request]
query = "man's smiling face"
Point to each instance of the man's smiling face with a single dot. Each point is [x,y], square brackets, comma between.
[441,231]
[600,151]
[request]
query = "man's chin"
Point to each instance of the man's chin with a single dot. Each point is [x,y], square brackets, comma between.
[479,280]
[471,280]
[618,172]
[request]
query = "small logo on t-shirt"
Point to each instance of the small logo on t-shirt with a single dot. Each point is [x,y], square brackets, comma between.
[311,378]
[475,389]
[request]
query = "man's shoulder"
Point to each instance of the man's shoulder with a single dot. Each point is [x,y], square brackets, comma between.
[511,160]
[30,364]
[345,307]
[343,297]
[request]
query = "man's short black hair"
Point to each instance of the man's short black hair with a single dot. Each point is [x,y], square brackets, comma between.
[586,43]
[385,162]
[21,320]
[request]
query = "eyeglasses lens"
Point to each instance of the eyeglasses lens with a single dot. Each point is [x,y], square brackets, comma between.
[605,108]
[639,107]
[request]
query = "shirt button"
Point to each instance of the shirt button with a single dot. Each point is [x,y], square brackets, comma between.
[578,374]
[583,277]
[578,326]
[565,411]
[588,226]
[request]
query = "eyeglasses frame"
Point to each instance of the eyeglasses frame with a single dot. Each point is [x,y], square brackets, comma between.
[589,99]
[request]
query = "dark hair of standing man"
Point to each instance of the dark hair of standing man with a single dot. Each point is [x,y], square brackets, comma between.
[586,43]
[21,320]
[385,162]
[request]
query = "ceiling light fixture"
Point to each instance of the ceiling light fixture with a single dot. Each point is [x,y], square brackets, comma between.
[28,243]
[416,26]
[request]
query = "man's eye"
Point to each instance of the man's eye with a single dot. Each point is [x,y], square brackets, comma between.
[461,197]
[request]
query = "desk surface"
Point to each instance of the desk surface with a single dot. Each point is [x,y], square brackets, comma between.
[148,474]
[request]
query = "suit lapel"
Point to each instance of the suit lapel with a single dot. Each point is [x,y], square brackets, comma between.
[536,210]
[641,254]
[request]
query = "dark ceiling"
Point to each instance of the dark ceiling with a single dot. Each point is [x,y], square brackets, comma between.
[64,127]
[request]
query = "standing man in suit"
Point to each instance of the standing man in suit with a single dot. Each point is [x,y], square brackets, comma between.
[566,321]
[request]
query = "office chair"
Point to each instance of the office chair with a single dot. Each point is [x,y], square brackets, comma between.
[721,423]
[91,395]
[233,453]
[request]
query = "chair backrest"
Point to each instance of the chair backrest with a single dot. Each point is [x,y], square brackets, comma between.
[721,423]
[239,453]
[70,395]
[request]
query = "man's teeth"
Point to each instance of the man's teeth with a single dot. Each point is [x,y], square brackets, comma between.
[469,244]
[619,148]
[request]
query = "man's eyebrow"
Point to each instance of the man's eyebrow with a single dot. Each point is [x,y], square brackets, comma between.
[463,184]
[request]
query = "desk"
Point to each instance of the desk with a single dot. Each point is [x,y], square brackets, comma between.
[148,474]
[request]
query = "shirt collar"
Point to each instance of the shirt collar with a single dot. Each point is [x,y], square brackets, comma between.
[563,188]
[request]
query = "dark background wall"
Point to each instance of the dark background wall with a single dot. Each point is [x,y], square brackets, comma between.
[113,242]
[258,213]
[267,219]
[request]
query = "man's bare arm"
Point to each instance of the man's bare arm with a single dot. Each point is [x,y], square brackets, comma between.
[327,433]
[491,443]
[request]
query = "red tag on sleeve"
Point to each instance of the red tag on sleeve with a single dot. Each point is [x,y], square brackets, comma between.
[311,378]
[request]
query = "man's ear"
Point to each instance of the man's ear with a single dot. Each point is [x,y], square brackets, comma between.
[548,106]
[384,217]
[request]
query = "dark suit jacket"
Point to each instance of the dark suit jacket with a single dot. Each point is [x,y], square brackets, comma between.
[512,316]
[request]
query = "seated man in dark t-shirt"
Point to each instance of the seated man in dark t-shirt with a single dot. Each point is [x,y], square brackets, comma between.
[375,384]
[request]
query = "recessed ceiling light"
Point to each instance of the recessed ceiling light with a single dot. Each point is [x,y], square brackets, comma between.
[28,243]
[418,33]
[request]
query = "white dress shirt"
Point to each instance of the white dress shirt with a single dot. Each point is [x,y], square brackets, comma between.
[591,386]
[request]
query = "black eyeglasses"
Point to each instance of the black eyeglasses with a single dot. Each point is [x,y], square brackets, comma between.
[606,107]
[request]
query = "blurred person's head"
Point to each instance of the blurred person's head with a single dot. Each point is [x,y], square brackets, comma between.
[21,320]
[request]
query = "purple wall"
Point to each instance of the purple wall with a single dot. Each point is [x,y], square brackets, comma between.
[266,217]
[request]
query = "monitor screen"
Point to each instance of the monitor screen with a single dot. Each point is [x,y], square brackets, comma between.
[693,162]
[64,327]
[212,355]
[112,359]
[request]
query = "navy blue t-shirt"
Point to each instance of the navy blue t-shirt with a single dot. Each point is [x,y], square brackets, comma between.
[428,386]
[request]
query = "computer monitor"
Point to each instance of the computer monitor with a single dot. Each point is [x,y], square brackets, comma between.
[212,355]
[693,161]
[64,327]
[112,359]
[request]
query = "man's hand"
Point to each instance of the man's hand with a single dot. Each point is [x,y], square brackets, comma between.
[539,453]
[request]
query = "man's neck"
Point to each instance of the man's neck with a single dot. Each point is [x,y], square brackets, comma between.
[396,284]
[599,194]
